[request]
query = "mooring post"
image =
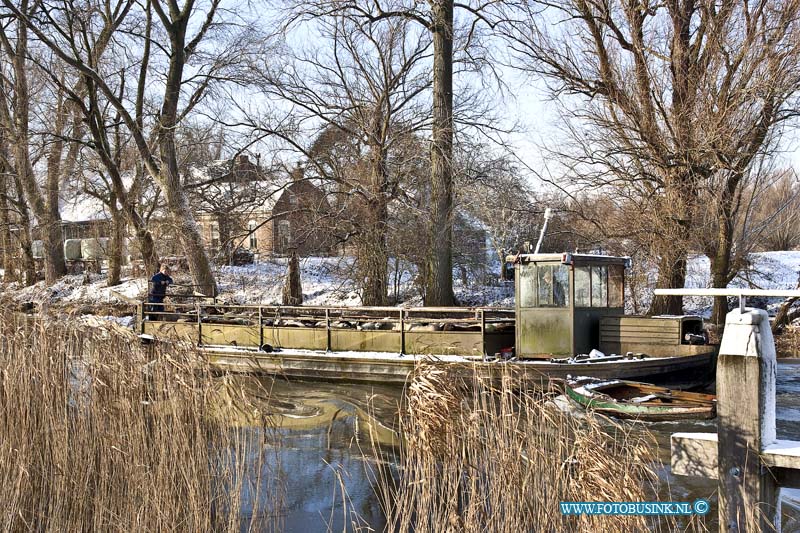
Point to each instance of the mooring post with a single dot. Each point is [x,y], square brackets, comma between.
[748,493]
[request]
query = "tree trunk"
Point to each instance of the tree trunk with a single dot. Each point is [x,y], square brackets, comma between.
[373,252]
[671,274]
[115,246]
[720,277]
[373,257]
[47,216]
[439,278]
[169,176]
[503,271]
[24,235]
[6,239]
[292,287]
[722,267]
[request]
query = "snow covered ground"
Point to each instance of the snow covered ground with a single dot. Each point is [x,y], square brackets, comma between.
[766,270]
[326,281]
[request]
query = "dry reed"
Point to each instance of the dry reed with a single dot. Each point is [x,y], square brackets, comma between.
[103,434]
[485,457]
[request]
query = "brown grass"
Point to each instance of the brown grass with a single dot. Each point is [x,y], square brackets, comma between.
[102,434]
[480,457]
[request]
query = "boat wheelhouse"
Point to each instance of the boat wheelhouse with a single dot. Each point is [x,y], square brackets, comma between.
[561,299]
[570,304]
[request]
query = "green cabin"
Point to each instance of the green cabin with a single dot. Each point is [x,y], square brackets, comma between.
[561,299]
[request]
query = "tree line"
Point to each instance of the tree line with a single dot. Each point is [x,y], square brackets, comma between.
[671,119]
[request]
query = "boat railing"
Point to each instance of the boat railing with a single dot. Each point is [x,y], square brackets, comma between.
[485,320]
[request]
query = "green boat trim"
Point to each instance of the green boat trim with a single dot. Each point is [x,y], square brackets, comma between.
[652,403]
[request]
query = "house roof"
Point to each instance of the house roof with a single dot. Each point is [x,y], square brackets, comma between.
[82,208]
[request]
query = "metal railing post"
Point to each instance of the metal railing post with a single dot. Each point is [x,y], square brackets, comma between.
[483,332]
[199,324]
[402,331]
[328,329]
[260,327]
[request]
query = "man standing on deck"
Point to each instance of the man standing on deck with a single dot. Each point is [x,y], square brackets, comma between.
[158,291]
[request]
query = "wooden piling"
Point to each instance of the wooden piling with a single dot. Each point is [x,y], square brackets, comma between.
[746,410]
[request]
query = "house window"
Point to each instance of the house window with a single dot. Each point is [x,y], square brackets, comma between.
[293,201]
[284,233]
[251,228]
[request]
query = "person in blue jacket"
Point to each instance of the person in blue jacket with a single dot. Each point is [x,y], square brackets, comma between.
[158,291]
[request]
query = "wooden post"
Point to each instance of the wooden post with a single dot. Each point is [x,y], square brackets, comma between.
[748,494]
[140,312]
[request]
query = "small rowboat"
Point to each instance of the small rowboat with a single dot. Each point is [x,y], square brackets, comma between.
[630,399]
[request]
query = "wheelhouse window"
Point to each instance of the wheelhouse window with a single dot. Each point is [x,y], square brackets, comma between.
[583,286]
[527,285]
[616,286]
[599,286]
[544,285]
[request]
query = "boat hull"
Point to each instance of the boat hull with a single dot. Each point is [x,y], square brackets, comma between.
[681,372]
[679,405]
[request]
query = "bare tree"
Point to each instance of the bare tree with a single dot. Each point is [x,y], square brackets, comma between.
[62,25]
[665,100]
[16,220]
[365,91]
[778,211]
[15,109]
[437,18]
[492,191]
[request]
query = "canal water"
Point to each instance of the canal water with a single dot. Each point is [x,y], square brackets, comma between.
[328,467]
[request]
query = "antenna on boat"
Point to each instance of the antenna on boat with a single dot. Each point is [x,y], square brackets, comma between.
[548,214]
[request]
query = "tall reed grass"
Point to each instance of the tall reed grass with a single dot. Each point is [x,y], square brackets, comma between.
[100,433]
[481,456]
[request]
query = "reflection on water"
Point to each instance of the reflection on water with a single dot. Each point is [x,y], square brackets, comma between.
[325,455]
[325,433]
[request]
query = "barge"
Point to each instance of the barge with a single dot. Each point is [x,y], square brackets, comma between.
[566,305]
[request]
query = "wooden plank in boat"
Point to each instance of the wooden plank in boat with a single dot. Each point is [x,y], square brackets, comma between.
[632,335]
[637,329]
[231,335]
[297,338]
[638,340]
[640,321]
[365,341]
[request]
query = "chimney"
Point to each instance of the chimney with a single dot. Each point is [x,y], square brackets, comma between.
[297,172]
[243,160]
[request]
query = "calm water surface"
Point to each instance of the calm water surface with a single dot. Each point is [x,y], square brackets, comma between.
[324,431]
